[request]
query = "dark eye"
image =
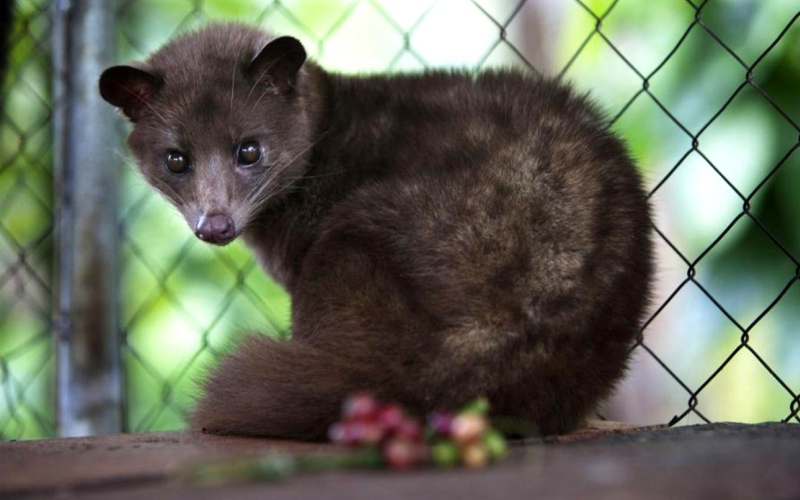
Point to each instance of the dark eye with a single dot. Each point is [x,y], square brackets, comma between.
[248,153]
[176,162]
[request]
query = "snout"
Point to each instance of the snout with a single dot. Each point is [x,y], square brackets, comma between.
[218,229]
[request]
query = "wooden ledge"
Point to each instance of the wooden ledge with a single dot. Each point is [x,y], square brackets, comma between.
[736,460]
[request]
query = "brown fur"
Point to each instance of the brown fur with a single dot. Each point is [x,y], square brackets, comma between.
[443,235]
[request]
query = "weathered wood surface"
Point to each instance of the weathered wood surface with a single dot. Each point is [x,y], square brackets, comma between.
[709,461]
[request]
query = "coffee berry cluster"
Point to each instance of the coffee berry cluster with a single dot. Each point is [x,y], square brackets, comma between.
[446,439]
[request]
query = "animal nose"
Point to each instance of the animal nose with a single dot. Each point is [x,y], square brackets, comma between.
[216,228]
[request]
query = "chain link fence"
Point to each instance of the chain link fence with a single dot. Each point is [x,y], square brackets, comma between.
[26,229]
[705,93]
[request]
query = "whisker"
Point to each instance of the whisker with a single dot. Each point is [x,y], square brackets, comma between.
[257,197]
[233,90]
[257,82]
[169,193]
[126,159]
[316,176]
[161,117]
[268,88]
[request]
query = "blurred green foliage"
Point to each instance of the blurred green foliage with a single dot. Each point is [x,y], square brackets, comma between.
[26,211]
[733,143]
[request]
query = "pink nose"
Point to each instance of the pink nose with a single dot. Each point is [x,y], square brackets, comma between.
[216,228]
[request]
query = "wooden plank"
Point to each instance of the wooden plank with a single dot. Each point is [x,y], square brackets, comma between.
[92,462]
[602,461]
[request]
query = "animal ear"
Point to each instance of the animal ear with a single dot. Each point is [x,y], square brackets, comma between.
[278,62]
[130,89]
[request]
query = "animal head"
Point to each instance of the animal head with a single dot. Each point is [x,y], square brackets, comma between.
[221,123]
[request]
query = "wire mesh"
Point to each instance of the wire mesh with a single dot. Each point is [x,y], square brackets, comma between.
[26,222]
[702,91]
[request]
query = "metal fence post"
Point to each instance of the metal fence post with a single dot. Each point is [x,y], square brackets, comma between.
[89,390]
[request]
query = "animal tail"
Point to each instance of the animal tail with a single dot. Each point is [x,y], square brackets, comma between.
[278,389]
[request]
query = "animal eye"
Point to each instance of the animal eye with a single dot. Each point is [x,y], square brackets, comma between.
[248,153]
[176,162]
